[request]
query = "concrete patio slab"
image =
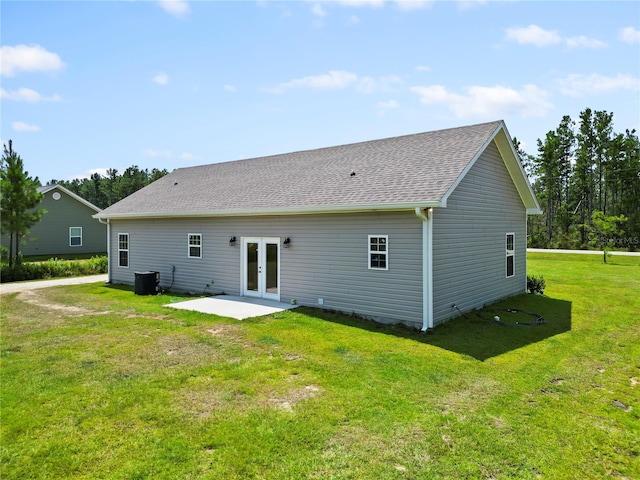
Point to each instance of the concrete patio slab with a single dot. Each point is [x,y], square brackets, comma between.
[232,306]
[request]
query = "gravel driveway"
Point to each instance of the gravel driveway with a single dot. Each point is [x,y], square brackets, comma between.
[36,284]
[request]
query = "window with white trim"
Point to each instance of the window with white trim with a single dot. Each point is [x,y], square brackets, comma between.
[123,250]
[511,254]
[195,245]
[378,252]
[75,236]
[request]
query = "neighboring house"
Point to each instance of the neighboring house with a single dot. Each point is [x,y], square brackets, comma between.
[67,228]
[397,230]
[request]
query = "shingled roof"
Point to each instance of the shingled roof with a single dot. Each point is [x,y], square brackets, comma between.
[392,173]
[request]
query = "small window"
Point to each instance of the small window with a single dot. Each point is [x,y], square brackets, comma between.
[75,236]
[378,252]
[123,250]
[511,254]
[195,245]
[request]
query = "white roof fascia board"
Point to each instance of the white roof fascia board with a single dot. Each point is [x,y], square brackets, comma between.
[48,188]
[279,211]
[516,170]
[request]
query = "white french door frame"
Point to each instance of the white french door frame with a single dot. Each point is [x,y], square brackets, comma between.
[260,272]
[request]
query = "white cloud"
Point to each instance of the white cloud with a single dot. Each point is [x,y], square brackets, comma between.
[177,8]
[629,35]
[488,102]
[188,157]
[414,4]
[584,42]
[353,20]
[533,35]
[337,80]
[25,127]
[230,88]
[401,4]
[576,85]
[361,3]
[538,36]
[382,84]
[423,68]
[161,79]
[388,104]
[318,11]
[28,58]
[27,95]
[468,4]
[152,153]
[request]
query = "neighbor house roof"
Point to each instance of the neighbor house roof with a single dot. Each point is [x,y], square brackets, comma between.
[48,188]
[392,173]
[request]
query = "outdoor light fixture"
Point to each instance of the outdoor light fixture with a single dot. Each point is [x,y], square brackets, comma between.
[232,241]
[286,243]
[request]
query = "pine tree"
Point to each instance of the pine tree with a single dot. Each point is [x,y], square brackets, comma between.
[19,197]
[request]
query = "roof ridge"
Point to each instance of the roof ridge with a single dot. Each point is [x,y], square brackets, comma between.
[344,145]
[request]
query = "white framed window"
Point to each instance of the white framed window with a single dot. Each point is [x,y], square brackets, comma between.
[123,250]
[378,252]
[195,245]
[510,247]
[75,236]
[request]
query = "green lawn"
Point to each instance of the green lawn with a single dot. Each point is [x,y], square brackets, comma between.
[99,383]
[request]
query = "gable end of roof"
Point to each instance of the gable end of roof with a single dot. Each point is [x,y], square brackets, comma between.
[49,188]
[513,165]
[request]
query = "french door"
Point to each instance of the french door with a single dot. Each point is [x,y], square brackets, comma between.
[261,267]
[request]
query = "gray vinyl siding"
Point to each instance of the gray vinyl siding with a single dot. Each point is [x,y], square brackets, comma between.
[50,236]
[328,259]
[469,262]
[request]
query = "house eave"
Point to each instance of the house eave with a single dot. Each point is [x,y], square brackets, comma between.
[276,211]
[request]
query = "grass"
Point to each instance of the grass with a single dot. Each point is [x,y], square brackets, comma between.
[99,383]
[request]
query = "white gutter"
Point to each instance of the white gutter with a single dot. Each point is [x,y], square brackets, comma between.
[276,211]
[427,266]
[108,224]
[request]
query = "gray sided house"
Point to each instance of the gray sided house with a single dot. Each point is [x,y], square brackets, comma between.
[397,230]
[68,227]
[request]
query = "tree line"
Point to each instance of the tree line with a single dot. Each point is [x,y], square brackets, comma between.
[105,190]
[586,177]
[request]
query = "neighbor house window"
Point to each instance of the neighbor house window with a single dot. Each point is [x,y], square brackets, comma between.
[378,252]
[511,254]
[123,250]
[195,245]
[75,236]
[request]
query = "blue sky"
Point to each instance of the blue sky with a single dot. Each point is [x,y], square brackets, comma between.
[88,86]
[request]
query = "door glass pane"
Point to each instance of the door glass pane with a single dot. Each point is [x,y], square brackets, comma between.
[252,267]
[272,268]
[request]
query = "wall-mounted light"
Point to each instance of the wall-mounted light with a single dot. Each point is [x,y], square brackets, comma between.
[232,241]
[286,243]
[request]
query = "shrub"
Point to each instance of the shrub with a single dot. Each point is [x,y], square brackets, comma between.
[53,268]
[536,284]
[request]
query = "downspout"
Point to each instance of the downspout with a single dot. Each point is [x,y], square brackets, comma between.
[108,224]
[427,266]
